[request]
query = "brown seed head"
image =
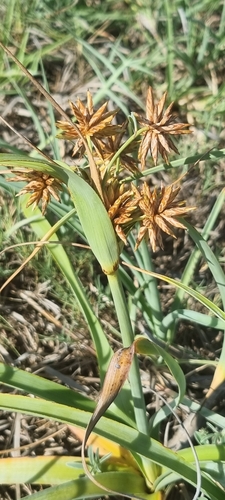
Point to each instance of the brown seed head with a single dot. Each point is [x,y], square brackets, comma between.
[42,186]
[124,212]
[159,211]
[160,127]
[94,124]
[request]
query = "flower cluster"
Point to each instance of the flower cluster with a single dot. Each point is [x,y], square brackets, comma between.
[127,200]
[42,186]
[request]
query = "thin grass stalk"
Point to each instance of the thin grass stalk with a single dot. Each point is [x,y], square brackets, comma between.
[124,146]
[149,284]
[145,308]
[212,155]
[188,315]
[210,258]
[170,44]
[53,140]
[7,24]
[222,21]
[137,294]
[196,254]
[151,291]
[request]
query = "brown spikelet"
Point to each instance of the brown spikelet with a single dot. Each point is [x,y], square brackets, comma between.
[94,124]
[124,212]
[160,127]
[159,211]
[42,186]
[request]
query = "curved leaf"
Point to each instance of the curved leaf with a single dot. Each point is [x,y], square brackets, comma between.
[146,347]
[93,216]
[120,433]
[210,258]
[193,293]
[46,389]
[83,488]
[194,316]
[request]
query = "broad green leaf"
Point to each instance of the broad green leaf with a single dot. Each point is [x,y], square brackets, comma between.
[215,452]
[127,437]
[24,161]
[39,470]
[84,488]
[93,216]
[46,389]
[43,388]
[211,459]
[96,223]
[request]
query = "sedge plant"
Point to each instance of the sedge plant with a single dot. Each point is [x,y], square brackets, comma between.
[117,208]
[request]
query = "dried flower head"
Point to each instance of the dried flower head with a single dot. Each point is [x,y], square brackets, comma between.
[124,212]
[42,186]
[159,211]
[160,127]
[94,124]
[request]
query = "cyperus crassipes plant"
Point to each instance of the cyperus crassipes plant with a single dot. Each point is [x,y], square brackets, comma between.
[127,202]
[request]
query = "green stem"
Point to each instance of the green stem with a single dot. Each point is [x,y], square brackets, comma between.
[150,470]
[125,145]
[127,339]
[212,155]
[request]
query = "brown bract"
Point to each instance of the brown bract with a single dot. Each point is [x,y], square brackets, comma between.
[160,126]
[42,186]
[159,211]
[94,124]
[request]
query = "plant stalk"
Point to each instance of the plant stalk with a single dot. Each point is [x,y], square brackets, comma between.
[149,468]
[127,339]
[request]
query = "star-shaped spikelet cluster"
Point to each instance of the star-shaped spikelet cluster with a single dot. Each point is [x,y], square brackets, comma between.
[160,210]
[114,156]
[42,186]
[91,124]
[160,127]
